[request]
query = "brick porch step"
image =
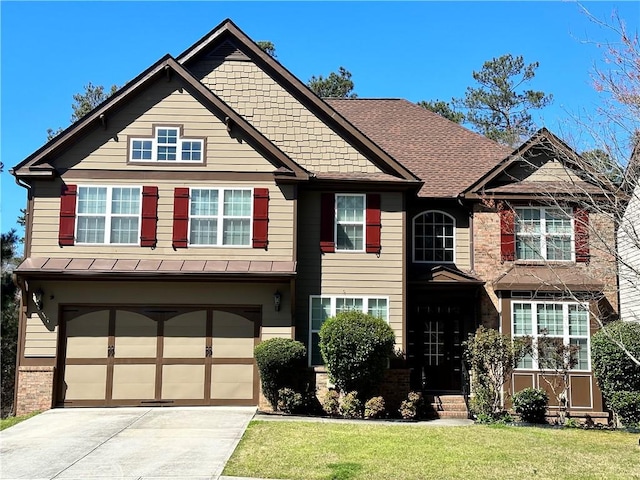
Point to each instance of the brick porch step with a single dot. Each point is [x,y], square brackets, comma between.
[448,406]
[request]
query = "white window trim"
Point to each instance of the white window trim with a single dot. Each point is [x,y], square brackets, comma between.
[543,234]
[332,298]
[566,337]
[155,144]
[220,217]
[413,237]
[108,216]
[363,223]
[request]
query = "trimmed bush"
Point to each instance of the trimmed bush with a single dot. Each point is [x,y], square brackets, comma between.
[331,403]
[356,348]
[531,405]
[613,368]
[351,406]
[627,407]
[283,364]
[374,408]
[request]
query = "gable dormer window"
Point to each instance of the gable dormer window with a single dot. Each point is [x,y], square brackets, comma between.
[166,145]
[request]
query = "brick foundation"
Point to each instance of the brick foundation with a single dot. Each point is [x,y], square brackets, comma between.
[35,389]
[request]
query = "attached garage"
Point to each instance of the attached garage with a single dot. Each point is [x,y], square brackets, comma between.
[161,355]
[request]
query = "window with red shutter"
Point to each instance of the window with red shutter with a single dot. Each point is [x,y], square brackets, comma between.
[260,218]
[581,234]
[66,233]
[180,217]
[149,217]
[507,235]
[374,224]
[327,223]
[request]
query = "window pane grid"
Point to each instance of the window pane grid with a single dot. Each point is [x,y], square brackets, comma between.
[567,323]
[167,146]
[434,237]
[108,215]
[544,234]
[220,223]
[350,216]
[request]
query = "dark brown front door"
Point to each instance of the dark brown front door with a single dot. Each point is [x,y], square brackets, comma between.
[436,333]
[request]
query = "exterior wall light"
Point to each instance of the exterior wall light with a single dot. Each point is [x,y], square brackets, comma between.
[38,297]
[277,299]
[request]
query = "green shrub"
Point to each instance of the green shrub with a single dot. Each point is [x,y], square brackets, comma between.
[374,408]
[411,408]
[627,406]
[531,404]
[290,401]
[613,368]
[351,406]
[356,348]
[331,403]
[283,364]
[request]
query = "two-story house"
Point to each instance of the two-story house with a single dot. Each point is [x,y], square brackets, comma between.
[214,201]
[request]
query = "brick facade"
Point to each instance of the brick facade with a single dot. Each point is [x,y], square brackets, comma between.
[35,389]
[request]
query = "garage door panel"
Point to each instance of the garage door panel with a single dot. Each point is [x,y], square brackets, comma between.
[232,382]
[134,382]
[183,382]
[185,335]
[136,336]
[233,336]
[85,382]
[88,335]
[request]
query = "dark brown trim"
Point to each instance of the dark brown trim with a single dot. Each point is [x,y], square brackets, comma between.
[142,175]
[28,240]
[108,394]
[159,358]
[300,92]
[361,185]
[404,275]
[294,239]
[540,198]
[38,362]
[208,356]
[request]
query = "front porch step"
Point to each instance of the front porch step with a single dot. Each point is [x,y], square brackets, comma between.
[448,406]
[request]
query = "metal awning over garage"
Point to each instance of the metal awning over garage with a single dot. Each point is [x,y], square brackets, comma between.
[151,269]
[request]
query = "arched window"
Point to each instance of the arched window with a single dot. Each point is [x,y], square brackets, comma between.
[434,237]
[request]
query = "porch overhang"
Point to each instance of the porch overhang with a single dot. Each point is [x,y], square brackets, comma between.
[446,276]
[151,269]
[547,278]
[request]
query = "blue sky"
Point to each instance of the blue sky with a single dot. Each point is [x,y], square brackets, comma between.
[412,50]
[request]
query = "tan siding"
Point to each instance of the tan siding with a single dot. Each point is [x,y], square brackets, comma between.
[40,341]
[552,171]
[163,104]
[347,273]
[47,212]
[463,248]
[629,260]
[280,117]
[273,332]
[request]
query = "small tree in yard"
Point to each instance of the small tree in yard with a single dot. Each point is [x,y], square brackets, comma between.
[492,357]
[356,348]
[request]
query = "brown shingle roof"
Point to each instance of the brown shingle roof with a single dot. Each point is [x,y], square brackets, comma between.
[445,155]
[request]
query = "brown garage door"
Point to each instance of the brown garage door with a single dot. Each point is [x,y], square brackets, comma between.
[118,356]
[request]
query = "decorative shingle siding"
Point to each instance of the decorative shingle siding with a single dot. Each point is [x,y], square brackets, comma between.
[280,117]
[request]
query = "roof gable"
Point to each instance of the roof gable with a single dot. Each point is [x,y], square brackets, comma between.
[39,163]
[228,41]
[544,164]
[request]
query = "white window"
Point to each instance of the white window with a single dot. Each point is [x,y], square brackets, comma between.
[323,307]
[220,217]
[544,234]
[166,146]
[108,215]
[566,323]
[434,238]
[350,222]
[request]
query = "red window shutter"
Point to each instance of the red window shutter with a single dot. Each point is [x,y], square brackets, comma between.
[374,225]
[180,217]
[260,217]
[66,233]
[581,234]
[149,217]
[507,235]
[327,222]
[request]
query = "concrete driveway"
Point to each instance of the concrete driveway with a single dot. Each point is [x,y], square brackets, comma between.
[123,443]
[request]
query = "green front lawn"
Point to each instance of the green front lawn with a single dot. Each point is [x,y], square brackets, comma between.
[11,421]
[300,450]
